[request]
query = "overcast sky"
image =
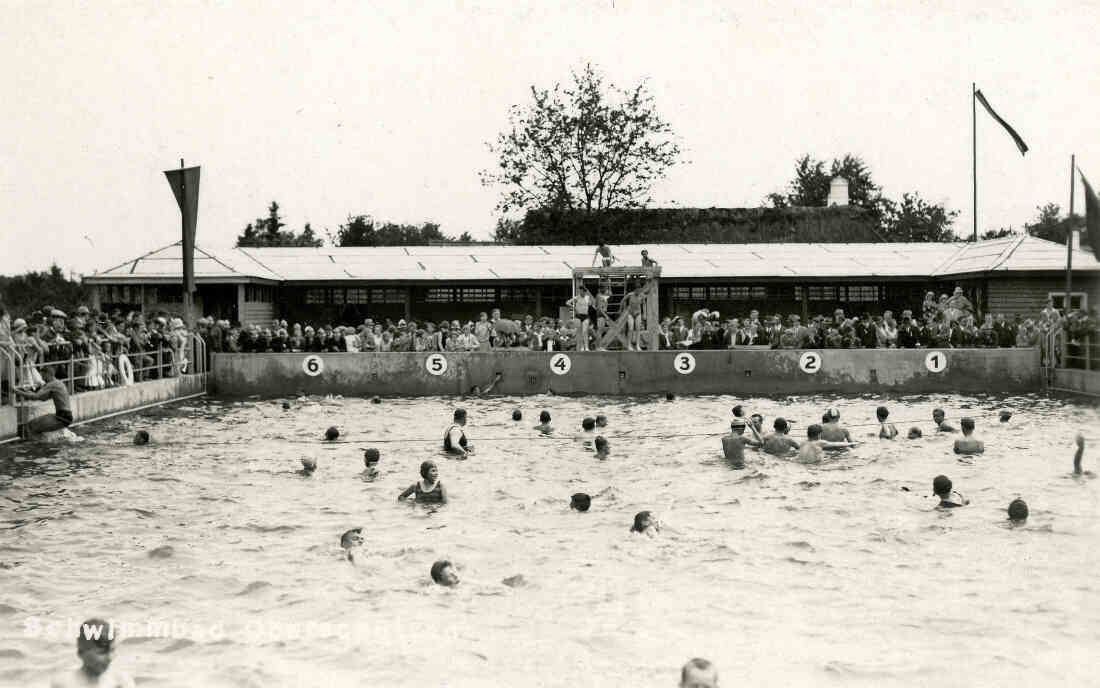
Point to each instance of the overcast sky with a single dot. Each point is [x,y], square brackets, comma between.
[384,108]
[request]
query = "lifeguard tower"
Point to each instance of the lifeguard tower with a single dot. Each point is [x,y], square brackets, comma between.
[619,280]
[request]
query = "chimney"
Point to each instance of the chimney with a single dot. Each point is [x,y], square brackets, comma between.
[838,191]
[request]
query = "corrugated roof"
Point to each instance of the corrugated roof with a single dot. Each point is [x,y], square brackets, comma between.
[678,261]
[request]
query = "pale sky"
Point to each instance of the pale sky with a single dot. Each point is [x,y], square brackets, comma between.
[384,108]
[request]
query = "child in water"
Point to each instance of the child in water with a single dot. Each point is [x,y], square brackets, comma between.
[350,542]
[428,490]
[603,447]
[968,444]
[949,499]
[444,573]
[309,465]
[733,444]
[94,645]
[371,457]
[645,523]
[699,673]
[942,425]
[886,431]
[544,423]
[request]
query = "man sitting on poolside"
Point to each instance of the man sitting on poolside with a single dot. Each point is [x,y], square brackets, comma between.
[968,444]
[53,389]
[779,443]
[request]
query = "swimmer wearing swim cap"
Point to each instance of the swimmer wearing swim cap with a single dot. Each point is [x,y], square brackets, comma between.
[603,447]
[309,465]
[544,423]
[601,421]
[443,573]
[914,433]
[1017,510]
[95,646]
[588,431]
[645,523]
[1006,416]
[517,415]
[141,437]
[371,457]
[669,396]
[733,444]
[949,499]
[580,502]
[699,673]
[332,433]
[968,444]
[831,431]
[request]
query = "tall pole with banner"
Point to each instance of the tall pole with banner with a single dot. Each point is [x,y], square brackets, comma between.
[1069,234]
[185,186]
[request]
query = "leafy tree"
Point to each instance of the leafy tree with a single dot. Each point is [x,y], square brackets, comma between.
[508,231]
[21,294]
[1050,225]
[999,233]
[588,145]
[465,238]
[359,231]
[268,231]
[914,219]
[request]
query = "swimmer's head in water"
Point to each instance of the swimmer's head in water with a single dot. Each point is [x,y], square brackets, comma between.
[737,427]
[371,456]
[95,641]
[967,424]
[601,421]
[332,433]
[738,411]
[813,432]
[517,415]
[589,423]
[286,405]
[757,420]
[832,414]
[602,445]
[669,396]
[309,464]
[941,486]
[698,673]
[351,538]
[141,437]
[544,417]
[642,521]
[376,400]
[460,416]
[444,573]
[429,471]
[938,415]
[1017,510]
[1006,416]
[914,433]
[580,502]
[882,413]
[781,425]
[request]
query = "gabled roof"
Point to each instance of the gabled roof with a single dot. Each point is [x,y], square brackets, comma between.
[454,263]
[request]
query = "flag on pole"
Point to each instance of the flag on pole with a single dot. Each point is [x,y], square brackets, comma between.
[1011,132]
[185,185]
[1092,217]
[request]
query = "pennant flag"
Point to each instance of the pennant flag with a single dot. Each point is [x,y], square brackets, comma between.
[1011,132]
[185,185]
[1092,217]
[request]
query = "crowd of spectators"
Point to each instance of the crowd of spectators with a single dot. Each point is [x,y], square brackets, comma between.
[91,350]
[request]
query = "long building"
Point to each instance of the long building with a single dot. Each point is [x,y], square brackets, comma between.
[345,285]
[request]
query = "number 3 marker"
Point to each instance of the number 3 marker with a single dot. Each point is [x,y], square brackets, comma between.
[684,364]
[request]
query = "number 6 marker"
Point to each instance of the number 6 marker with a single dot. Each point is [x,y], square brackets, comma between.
[560,364]
[313,365]
[810,362]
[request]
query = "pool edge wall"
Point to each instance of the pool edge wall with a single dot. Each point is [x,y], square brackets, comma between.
[89,406]
[746,372]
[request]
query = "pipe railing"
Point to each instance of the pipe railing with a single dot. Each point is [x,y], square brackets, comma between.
[7,364]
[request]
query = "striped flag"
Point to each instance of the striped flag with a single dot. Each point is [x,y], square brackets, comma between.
[1092,217]
[1011,132]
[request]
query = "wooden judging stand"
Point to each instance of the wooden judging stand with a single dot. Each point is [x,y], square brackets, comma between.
[619,280]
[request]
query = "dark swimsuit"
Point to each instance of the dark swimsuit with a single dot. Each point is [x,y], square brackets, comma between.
[64,416]
[447,446]
[433,496]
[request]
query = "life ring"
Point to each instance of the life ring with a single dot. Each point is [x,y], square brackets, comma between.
[125,369]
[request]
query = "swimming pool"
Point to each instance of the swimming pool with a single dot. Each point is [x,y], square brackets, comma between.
[782,574]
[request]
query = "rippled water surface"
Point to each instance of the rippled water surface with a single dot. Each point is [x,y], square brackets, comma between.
[782,574]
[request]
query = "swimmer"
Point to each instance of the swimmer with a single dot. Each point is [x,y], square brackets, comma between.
[601,421]
[544,423]
[443,573]
[376,400]
[95,646]
[941,424]
[645,522]
[454,439]
[968,444]
[1077,456]
[669,396]
[308,466]
[1006,416]
[886,431]
[914,433]
[141,437]
[1017,510]
[699,673]
[733,444]
[756,423]
[477,391]
[62,415]
[286,405]
[428,490]
[778,443]
[580,502]
[603,447]
[812,450]
[371,457]
[831,430]
[941,487]
[517,415]
[588,427]
[351,541]
[332,433]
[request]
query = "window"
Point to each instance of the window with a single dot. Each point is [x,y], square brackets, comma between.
[358,295]
[337,295]
[256,293]
[862,293]
[387,296]
[315,295]
[690,293]
[477,295]
[1077,300]
[171,294]
[438,295]
[817,293]
[518,294]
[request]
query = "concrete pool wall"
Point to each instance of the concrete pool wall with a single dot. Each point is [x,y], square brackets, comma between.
[748,372]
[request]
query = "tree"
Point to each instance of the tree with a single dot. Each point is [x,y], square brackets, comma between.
[999,233]
[810,186]
[588,146]
[359,231]
[508,231]
[914,219]
[1050,225]
[269,232]
[21,294]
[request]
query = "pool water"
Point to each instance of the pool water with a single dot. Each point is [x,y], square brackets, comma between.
[841,574]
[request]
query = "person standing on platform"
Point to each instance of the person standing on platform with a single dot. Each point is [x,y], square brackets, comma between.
[648,262]
[604,255]
[581,303]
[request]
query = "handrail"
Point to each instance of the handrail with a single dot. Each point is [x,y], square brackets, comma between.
[9,356]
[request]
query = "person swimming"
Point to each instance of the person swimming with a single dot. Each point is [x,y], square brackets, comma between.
[756,424]
[141,437]
[601,421]
[371,457]
[968,444]
[669,396]
[733,444]
[1017,510]
[376,400]
[646,523]
[778,443]
[580,502]
[699,673]
[812,450]
[886,431]
[454,438]
[517,415]
[309,465]
[443,573]
[544,423]
[914,433]
[603,447]
[1079,454]
[332,433]
[831,431]
[942,425]
[62,415]
[351,541]
[477,391]
[429,489]
[588,431]
[1006,416]
[95,646]
[941,487]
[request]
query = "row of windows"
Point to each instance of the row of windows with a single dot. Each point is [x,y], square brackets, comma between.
[357,295]
[258,293]
[853,293]
[730,293]
[859,293]
[478,295]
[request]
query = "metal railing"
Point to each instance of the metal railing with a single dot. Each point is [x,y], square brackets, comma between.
[7,372]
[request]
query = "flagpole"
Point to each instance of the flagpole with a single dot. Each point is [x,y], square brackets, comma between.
[974,140]
[183,226]
[1069,234]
